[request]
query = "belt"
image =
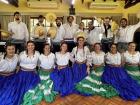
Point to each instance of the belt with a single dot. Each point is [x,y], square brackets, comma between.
[61,66]
[81,62]
[47,70]
[114,65]
[6,73]
[132,64]
[27,69]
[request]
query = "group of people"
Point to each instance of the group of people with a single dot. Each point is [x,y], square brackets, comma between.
[31,76]
[104,33]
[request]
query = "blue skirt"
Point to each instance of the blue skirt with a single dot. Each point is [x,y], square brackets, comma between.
[79,72]
[15,86]
[62,80]
[127,88]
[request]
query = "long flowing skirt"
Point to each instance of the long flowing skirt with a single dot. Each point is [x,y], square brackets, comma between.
[8,93]
[15,86]
[134,72]
[92,85]
[63,82]
[42,91]
[127,88]
[79,72]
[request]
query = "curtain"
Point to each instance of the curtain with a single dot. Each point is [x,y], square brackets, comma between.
[5,19]
[132,19]
[117,18]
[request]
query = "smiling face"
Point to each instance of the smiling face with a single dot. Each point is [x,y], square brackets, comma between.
[64,47]
[81,41]
[10,50]
[123,23]
[113,48]
[30,47]
[47,49]
[97,47]
[132,47]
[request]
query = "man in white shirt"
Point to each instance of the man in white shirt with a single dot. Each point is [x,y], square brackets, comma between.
[19,32]
[59,35]
[70,30]
[107,37]
[93,34]
[125,34]
[39,34]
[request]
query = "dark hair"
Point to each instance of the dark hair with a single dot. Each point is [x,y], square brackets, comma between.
[63,42]
[69,17]
[123,19]
[30,41]
[97,44]
[107,18]
[112,45]
[80,37]
[132,43]
[47,44]
[16,13]
[40,16]
[7,45]
[58,18]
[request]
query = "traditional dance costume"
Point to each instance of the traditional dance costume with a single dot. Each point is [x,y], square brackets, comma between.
[132,65]
[80,67]
[8,81]
[62,74]
[28,77]
[43,89]
[92,84]
[117,76]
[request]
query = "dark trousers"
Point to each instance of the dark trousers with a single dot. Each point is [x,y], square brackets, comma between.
[20,44]
[106,43]
[56,47]
[39,44]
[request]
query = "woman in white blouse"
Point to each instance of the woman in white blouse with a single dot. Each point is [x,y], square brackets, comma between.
[115,75]
[62,74]
[81,64]
[44,89]
[132,61]
[8,76]
[28,77]
[92,84]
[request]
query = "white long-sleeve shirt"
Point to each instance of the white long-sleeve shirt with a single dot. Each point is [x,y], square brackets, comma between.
[126,34]
[28,62]
[60,34]
[19,29]
[70,30]
[94,36]
[8,65]
[47,62]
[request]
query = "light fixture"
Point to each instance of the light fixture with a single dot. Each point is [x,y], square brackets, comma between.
[4,1]
[72,10]
[72,2]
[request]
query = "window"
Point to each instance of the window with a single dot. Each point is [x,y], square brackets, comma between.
[86,20]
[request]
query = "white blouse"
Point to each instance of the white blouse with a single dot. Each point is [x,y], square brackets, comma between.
[97,59]
[47,62]
[29,62]
[129,58]
[81,55]
[62,59]
[8,65]
[113,59]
